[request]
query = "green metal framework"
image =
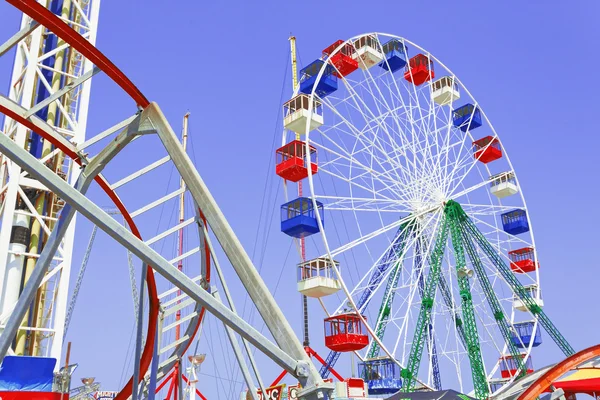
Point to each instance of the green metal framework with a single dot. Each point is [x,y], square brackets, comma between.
[469,322]
[427,301]
[465,234]
[517,287]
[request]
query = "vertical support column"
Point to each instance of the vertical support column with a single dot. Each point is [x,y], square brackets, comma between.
[21,91]
[60,306]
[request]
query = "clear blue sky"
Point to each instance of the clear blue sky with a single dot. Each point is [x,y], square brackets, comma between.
[531,65]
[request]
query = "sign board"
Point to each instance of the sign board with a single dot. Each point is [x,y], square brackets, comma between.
[273,393]
[105,395]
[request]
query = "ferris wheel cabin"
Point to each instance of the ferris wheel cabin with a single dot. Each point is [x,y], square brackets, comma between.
[509,366]
[299,219]
[503,185]
[515,222]
[292,163]
[532,292]
[395,56]
[522,260]
[524,335]
[419,70]
[343,60]
[298,111]
[467,117]
[308,79]
[381,374]
[316,278]
[345,332]
[497,384]
[487,149]
[368,52]
[444,90]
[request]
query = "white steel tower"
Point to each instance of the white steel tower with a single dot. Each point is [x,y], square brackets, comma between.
[52,80]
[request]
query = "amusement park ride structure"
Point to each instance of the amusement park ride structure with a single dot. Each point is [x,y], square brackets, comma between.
[419,171]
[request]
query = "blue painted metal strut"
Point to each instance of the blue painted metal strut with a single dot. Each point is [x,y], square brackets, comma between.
[386,262]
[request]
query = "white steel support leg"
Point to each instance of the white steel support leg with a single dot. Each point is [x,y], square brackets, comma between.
[139,335]
[231,304]
[239,357]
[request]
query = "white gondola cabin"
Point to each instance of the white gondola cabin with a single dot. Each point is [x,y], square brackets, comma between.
[368,52]
[503,185]
[317,278]
[532,290]
[296,113]
[445,90]
[497,384]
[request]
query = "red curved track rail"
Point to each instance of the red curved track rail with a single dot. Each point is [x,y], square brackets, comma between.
[544,381]
[46,18]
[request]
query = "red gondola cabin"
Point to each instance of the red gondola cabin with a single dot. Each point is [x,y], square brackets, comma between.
[487,149]
[419,70]
[342,60]
[292,162]
[345,332]
[522,260]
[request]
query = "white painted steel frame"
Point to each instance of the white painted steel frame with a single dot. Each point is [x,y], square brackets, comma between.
[417,151]
[26,71]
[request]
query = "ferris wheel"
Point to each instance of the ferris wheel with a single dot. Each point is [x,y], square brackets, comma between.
[419,221]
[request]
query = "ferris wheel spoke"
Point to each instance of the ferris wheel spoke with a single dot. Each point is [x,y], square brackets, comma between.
[327,167]
[337,203]
[368,146]
[361,106]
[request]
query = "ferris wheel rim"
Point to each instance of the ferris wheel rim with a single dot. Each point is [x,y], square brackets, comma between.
[452,196]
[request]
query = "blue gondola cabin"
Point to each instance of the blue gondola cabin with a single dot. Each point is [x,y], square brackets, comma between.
[445,90]
[395,56]
[487,149]
[317,278]
[503,185]
[345,332]
[467,117]
[300,116]
[326,85]
[509,366]
[419,70]
[292,163]
[532,291]
[522,260]
[299,219]
[523,335]
[515,222]
[368,52]
[343,60]
[381,374]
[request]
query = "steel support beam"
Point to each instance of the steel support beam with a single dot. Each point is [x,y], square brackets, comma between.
[62,225]
[17,37]
[249,276]
[239,357]
[204,234]
[97,216]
